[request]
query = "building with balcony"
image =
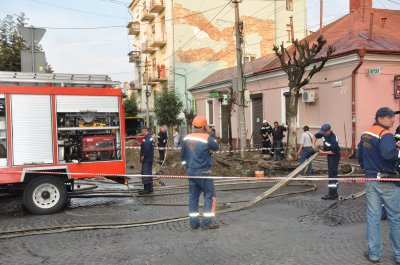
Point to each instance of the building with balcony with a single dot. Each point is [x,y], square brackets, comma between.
[184,40]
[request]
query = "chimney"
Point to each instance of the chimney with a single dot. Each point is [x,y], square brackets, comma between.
[371,24]
[356,4]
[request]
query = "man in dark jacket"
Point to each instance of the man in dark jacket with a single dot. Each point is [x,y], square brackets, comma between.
[277,137]
[147,158]
[332,150]
[162,142]
[196,157]
[266,131]
[378,154]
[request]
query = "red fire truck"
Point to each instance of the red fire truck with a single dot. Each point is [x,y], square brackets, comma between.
[55,129]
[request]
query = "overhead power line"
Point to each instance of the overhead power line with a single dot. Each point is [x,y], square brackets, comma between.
[88,28]
[75,10]
[116,2]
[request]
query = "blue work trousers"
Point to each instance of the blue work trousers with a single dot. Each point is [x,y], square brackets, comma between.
[333,165]
[379,193]
[306,153]
[147,170]
[196,186]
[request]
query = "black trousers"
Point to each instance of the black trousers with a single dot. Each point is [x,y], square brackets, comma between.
[162,153]
[266,145]
[333,165]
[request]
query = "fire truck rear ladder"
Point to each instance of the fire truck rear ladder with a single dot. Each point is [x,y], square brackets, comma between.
[62,79]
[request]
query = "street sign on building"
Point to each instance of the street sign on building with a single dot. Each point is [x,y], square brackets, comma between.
[375,71]
[214,95]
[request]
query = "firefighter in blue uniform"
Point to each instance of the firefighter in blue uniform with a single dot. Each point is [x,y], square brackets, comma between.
[146,158]
[332,150]
[196,157]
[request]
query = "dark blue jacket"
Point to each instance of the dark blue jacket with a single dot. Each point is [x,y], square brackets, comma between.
[147,149]
[377,151]
[331,143]
[196,148]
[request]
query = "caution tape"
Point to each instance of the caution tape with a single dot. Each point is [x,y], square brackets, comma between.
[341,179]
[215,152]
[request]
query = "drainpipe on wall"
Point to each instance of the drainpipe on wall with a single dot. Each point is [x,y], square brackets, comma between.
[361,54]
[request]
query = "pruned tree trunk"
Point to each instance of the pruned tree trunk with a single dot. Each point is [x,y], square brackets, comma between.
[291,151]
[295,63]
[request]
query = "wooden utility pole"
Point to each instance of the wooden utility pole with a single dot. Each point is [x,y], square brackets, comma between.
[239,88]
[146,66]
[321,15]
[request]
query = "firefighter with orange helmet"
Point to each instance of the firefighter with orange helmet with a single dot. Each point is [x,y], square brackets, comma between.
[196,157]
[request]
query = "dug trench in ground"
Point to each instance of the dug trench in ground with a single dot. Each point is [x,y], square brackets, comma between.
[225,164]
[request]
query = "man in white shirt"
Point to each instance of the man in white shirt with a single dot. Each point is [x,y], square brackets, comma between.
[306,149]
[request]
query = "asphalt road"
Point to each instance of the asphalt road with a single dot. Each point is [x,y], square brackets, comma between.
[296,229]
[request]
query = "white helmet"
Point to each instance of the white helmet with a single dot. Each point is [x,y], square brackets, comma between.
[264,121]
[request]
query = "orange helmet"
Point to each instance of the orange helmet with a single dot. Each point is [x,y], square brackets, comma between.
[199,121]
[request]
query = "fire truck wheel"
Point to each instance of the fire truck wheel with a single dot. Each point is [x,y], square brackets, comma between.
[45,195]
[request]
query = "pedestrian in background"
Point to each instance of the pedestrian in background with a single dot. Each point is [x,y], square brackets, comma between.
[195,155]
[306,149]
[266,131]
[332,150]
[378,154]
[177,138]
[162,142]
[277,137]
[147,158]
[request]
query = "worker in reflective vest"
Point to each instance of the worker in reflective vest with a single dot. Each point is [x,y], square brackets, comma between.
[196,157]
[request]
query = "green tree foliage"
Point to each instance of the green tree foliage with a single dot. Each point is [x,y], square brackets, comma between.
[295,62]
[168,107]
[131,107]
[11,43]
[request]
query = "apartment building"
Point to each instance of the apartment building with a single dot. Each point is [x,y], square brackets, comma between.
[184,41]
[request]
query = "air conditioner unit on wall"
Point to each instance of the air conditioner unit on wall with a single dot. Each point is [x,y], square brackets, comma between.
[308,96]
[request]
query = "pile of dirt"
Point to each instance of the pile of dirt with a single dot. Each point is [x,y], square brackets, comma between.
[225,164]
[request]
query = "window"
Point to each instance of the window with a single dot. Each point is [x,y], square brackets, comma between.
[153,29]
[288,30]
[154,67]
[210,111]
[289,5]
[163,28]
[249,58]
[3,132]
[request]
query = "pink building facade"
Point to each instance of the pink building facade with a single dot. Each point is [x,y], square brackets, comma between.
[362,71]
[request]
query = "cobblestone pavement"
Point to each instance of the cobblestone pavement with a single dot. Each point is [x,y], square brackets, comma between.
[296,229]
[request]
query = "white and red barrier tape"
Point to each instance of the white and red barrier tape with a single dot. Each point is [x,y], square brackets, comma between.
[216,152]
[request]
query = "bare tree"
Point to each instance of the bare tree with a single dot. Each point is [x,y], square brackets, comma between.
[295,63]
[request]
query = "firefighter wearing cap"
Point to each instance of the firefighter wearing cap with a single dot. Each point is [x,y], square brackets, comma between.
[162,142]
[265,132]
[332,150]
[196,157]
[378,154]
[146,158]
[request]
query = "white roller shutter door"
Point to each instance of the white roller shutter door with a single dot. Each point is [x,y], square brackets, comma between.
[32,134]
[87,103]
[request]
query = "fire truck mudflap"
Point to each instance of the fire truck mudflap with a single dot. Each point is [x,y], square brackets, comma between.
[54,129]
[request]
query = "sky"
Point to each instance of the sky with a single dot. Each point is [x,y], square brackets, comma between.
[71,49]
